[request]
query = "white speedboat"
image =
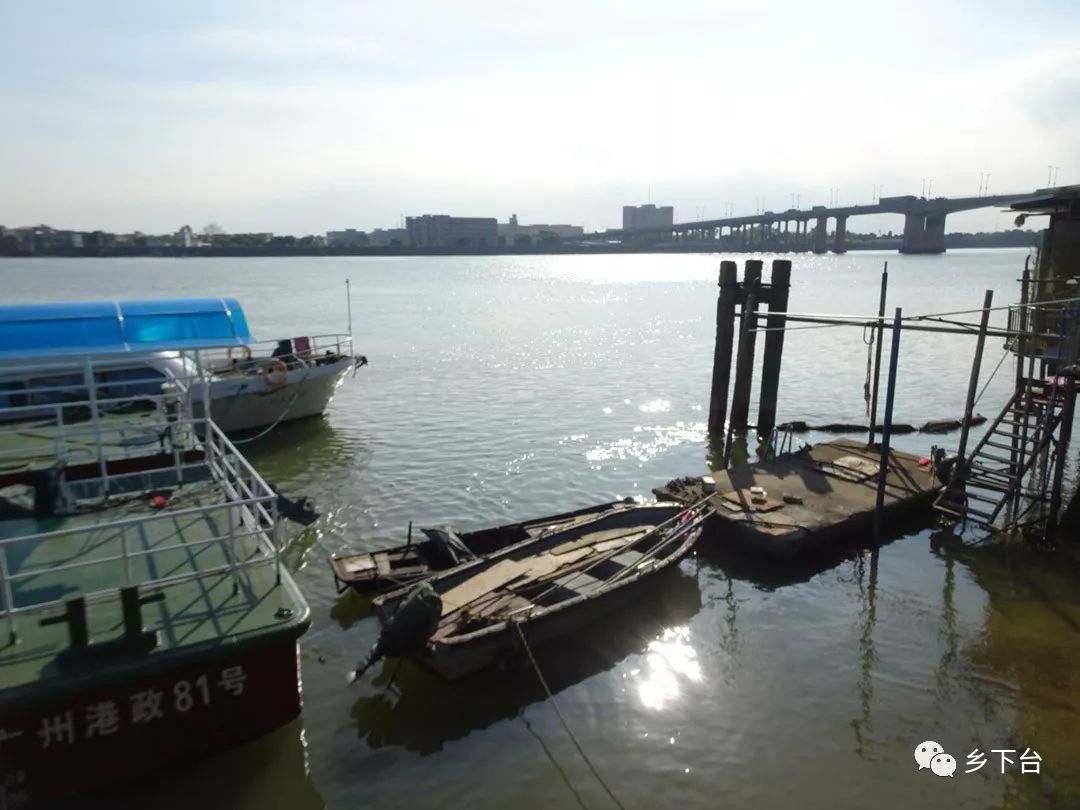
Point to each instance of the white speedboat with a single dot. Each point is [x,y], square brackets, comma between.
[251,387]
[257,390]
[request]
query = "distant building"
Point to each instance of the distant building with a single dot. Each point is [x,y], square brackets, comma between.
[637,217]
[386,237]
[510,232]
[440,230]
[350,237]
[44,239]
[186,238]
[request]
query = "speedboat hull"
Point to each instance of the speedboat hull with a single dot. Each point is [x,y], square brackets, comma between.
[251,402]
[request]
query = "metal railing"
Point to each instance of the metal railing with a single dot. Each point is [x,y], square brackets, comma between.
[258,354]
[251,535]
[70,405]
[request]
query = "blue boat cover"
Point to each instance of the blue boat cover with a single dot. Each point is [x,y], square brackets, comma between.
[115,327]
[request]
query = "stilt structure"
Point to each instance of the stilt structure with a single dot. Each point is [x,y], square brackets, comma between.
[1013,478]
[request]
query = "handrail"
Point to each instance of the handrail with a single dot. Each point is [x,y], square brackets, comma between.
[152,585]
[126,522]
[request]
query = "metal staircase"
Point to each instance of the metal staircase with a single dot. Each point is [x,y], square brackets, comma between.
[1005,476]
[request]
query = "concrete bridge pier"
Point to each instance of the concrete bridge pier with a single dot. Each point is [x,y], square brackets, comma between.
[934,238]
[840,237]
[820,235]
[923,233]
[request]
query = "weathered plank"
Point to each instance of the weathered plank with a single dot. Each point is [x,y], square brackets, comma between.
[485,582]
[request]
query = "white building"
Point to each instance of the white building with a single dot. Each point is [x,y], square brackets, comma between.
[510,232]
[186,238]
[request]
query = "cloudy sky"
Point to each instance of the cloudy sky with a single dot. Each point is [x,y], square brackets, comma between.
[299,117]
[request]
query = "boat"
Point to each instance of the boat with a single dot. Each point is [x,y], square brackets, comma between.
[443,548]
[147,616]
[479,613]
[245,387]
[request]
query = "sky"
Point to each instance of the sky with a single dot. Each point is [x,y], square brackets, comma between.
[305,117]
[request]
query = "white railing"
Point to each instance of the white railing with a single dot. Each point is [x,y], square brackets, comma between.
[242,549]
[261,352]
[57,412]
[251,537]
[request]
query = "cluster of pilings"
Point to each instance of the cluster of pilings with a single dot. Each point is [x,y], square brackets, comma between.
[749,295]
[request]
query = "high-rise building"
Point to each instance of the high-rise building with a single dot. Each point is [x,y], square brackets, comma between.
[637,217]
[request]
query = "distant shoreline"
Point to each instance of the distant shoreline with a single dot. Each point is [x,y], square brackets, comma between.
[1003,239]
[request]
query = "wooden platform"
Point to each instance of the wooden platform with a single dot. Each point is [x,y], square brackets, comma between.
[820,496]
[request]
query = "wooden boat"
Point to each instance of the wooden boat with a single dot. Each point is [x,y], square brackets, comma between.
[548,587]
[444,548]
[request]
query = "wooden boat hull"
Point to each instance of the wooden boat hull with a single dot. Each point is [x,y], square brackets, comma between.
[383,570]
[456,655]
[453,661]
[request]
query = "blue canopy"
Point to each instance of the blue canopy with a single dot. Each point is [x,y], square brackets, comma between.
[114,327]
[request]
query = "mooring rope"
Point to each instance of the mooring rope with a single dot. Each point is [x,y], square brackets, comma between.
[555,762]
[281,417]
[565,725]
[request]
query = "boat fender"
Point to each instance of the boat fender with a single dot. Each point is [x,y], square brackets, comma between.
[408,628]
[275,373]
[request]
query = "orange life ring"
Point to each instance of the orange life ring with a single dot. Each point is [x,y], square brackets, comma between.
[276,373]
[247,353]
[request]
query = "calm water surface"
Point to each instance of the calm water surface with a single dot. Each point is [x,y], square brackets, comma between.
[510,387]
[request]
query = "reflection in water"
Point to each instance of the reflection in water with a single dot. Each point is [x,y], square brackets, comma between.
[422,712]
[272,771]
[666,659]
[648,442]
[867,652]
[306,447]
[351,607]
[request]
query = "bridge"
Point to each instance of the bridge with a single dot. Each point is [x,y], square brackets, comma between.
[924,225]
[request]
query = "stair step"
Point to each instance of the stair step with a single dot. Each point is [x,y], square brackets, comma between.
[989,457]
[1006,473]
[962,510]
[971,496]
[1028,440]
[992,487]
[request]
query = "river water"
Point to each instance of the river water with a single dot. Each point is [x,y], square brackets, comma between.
[511,387]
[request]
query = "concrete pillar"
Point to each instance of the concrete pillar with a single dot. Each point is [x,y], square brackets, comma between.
[914,232]
[934,236]
[839,239]
[820,235]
